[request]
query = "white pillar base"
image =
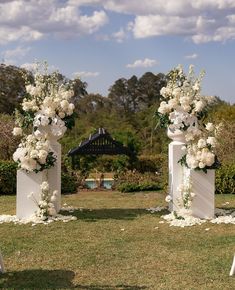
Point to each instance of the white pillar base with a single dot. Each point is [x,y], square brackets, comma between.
[203,185]
[232,271]
[30,182]
[175,172]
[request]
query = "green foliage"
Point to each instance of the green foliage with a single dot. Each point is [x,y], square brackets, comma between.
[132,181]
[162,120]
[8,142]
[152,163]
[12,87]
[7,177]
[70,120]
[225,179]
[133,187]
[69,183]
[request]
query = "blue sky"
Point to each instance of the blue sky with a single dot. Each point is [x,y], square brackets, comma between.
[103,40]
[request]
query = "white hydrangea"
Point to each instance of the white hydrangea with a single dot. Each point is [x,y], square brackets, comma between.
[17,131]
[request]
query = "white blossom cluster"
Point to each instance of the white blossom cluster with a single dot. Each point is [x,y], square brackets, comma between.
[182,100]
[32,152]
[46,202]
[185,190]
[45,108]
[182,109]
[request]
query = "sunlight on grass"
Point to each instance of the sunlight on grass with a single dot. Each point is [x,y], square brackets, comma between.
[116,244]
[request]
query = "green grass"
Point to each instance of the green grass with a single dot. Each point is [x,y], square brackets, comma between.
[95,252]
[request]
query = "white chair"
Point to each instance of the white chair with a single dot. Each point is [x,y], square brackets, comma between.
[232,271]
[2,269]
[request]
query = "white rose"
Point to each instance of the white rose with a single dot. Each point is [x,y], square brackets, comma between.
[201,143]
[211,141]
[44,186]
[201,165]
[168,198]
[42,156]
[64,105]
[210,159]
[176,92]
[61,115]
[209,127]
[163,92]
[52,211]
[55,192]
[17,131]
[172,103]
[53,198]
[33,154]
[71,106]
[199,105]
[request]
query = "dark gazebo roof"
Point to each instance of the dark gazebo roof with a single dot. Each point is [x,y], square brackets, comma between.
[100,142]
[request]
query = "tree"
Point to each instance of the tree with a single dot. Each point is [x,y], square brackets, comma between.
[132,95]
[12,87]
[149,88]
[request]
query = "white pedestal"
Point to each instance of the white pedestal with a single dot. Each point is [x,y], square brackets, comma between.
[175,172]
[203,185]
[30,182]
[232,271]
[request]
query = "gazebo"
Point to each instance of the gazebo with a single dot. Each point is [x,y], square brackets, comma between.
[101,142]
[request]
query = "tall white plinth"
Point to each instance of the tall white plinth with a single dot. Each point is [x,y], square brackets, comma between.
[175,172]
[30,182]
[203,185]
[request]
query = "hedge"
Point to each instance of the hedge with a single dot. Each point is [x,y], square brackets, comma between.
[69,183]
[7,177]
[225,179]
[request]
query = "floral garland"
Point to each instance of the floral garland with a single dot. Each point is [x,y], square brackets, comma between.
[46,112]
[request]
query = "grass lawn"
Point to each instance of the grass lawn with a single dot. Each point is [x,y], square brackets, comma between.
[116,244]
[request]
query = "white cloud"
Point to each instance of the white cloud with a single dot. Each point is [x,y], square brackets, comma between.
[120,35]
[86,74]
[31,20]
[18,52]
[142,63]
[191,56]
[155,25]
[199,20]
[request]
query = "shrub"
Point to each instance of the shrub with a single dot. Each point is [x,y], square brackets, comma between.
[69,183]
[225,179]
[131,181]
[7,177]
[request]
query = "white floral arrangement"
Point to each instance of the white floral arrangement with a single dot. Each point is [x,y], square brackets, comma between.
[184,109]
[47,111]
[46,203]
[45,114]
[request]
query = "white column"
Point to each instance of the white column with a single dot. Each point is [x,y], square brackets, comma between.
[232,271]
[175,172]
[30,182]
[203,185]
[26,184]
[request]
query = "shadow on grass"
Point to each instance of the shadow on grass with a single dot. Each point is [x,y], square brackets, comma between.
[106,287]
[111,213]
[37,279]
[51,279]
